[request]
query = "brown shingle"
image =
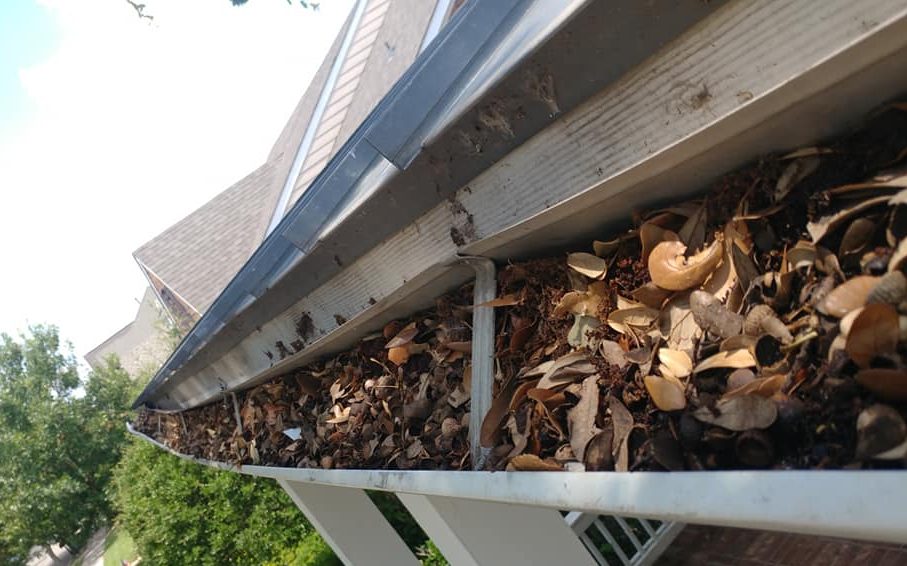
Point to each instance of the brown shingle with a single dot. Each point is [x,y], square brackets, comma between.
[197,256]
[200,254]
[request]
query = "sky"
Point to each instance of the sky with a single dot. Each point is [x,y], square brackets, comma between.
[112,128]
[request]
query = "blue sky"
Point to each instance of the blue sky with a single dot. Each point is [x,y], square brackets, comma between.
[28,34]
[113,128]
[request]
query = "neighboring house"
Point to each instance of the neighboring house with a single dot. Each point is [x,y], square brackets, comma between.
[190,263]
[140,345]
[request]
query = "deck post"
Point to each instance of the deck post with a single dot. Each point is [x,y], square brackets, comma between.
[478,533]
[350,523]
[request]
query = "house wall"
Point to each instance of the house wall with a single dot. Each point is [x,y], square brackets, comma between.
[141,344]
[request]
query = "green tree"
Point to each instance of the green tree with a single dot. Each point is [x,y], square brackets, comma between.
[181,513]
[58,442]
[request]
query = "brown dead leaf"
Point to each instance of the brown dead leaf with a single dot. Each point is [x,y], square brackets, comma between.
[667,394]
[491,424]
[613,353]
[403,337]
[881,433]
[622,421]
[565,370]
[850,295]
[341,415]
[873,333]
[677,362]
[399,355]
[599,456]
[740,413]
[579,332]
[520,394]
[581,418]
[532,463]
[889,384]
[820,228]
[677,324]
[587,264]
[763,386]
[508,300]
[671,269]
[735,359]
[714,317]
[796,171]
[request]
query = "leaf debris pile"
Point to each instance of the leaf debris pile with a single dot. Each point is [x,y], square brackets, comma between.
[399,400]
[762,326]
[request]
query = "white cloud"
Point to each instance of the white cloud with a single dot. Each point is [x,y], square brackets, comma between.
[134,126]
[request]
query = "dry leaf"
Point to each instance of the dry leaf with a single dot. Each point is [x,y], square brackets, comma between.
[399,355]
[873,333]
[889,384]
[622,421]
[491,424]
[403,337]
[795,172]
[589,265]
[566,369]
[340,415]
[739,378]
[897,258]
[671,269]
[857,236]
[740,413]
[727,359]
[651,295]
[609,248]
[801,256]
[613,353]
[638,316]
[532,463]
[581,418]
[692,233]
[806,152]
[579,332]
[763,386]
[850,295]
[714,317]
[677,324]
[678,362]
[666,394]
[819,229]
[508,300]
[650,235]
[520,394]
[881,434]
[599,455]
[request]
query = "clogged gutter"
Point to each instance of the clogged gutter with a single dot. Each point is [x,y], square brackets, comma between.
[761,326]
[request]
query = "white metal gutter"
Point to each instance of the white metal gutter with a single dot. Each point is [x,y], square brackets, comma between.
[306,143]
[652,137]
[750,79]
[865,505]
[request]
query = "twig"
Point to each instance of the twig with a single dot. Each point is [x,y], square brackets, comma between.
[140,10]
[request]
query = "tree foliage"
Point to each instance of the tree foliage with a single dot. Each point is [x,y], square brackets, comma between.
[183,513]
[59,441]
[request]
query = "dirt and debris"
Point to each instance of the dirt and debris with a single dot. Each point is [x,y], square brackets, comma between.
[399,400]
[762,325]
